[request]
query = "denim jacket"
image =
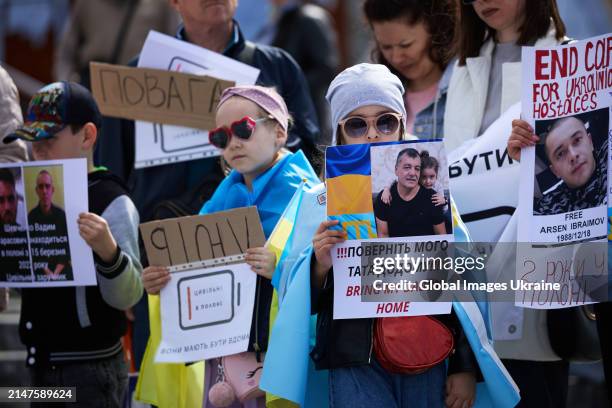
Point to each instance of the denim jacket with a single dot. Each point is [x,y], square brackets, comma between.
[429,123]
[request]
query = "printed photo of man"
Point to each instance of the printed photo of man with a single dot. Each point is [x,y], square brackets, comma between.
[580,164]
[48,231]
[8,198]
[14,258]
[411,211]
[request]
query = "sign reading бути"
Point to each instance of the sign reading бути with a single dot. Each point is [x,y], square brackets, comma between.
[564,191]
[206,307]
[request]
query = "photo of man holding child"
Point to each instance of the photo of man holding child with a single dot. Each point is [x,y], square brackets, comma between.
[406,201]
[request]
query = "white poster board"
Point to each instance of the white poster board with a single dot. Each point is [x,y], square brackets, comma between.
[158,144]
[564,193]
[206,313]
[354,189]
[349,289]
[40,245]
[486,163]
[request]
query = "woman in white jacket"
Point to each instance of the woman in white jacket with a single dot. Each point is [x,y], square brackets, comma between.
[485,83]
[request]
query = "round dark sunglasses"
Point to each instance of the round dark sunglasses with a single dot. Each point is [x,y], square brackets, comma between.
[242,129]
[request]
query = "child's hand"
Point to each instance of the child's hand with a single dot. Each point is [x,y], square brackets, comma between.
[155,278]
[95,231]
[262,261]
[322,242]
[129,314]
[386,196]
[460,390]
[438,199]
[522,136]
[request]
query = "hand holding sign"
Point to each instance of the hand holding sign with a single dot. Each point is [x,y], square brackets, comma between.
[155,278]
[96,232]
[262,261]
[522,136]
[323,241]
[206,302]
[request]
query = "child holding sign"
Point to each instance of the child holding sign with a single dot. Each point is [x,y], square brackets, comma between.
[73,335]
[367,107]
[253,123]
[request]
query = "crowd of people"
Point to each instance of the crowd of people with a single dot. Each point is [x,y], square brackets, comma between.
[440,69]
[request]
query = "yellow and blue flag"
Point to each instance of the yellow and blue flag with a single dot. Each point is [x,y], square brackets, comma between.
[181,386]
[349,190]
[167,385]
[294,379]
[498,389]
[293,334]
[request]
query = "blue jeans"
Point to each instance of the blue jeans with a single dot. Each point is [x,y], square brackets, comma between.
[371,386]
[99,383]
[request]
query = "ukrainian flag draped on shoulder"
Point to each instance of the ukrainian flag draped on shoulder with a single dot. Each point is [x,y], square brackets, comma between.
[498,389]
[271,191]
[293,334]
[167,385]
[181,386]
[295,379]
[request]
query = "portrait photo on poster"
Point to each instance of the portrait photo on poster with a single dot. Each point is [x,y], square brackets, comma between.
[392,201]
[48,231]
[571,167]
[410,189]
[14,251]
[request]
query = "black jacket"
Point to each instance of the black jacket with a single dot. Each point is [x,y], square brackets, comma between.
[307,34]
[152,185]
[68,324]
[348,342]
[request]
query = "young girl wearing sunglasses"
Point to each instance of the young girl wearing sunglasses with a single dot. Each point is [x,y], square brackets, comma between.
[367,107]
[253,123]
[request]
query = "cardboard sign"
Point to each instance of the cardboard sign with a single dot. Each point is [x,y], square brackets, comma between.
[205,311]
[200,237]
[155,95]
